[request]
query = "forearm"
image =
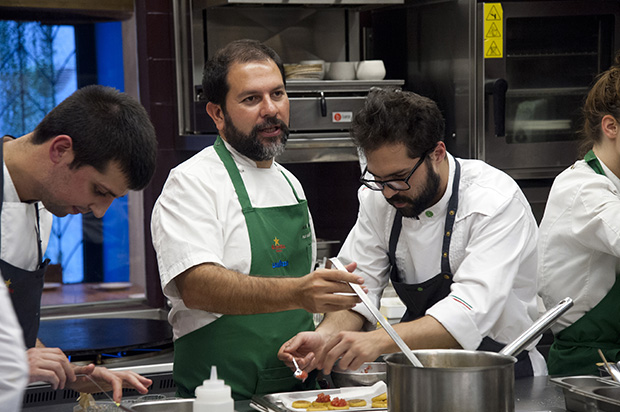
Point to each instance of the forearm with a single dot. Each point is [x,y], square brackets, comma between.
[424,333]
[335,322]
[216,289]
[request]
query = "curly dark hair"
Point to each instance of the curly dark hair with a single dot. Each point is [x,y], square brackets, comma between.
[214,83]
[603,99]
[105,125]
[393,116]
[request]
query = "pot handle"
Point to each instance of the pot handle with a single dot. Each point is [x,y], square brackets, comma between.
[542,324]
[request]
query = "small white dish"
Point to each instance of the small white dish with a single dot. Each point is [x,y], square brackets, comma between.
[51,285]
[111,285]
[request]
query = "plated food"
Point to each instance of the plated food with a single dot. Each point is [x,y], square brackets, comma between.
[325,402]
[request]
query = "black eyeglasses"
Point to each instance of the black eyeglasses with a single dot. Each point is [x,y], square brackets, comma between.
[394,184]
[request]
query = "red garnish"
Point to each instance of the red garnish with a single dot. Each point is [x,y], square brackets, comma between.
[303,376]
[322,398]
[338,402]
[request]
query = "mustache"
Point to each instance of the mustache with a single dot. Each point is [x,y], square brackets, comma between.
[398,199]
[271,122]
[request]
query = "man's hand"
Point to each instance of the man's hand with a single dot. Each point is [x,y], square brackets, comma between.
[49,365]
[326,290]
[351,350]
[107,379]
[302,347]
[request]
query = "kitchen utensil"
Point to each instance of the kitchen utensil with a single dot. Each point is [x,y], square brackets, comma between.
[375,312]
[367,374]
[119,405]
[299,374]
[461,380]
[613,372]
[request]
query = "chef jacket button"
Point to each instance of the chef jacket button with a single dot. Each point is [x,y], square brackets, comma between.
[447,233]
[452,213]
[445,254]
[446,276]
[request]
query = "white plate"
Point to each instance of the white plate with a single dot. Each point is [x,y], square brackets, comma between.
[111,286]
[51,285]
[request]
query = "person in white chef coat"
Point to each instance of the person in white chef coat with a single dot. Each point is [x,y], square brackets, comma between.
[234,239]
[13,361]
[579,245]
[93,147]
[456,237]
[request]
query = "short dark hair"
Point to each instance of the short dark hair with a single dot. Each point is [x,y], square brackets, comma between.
[393,116]
[214,83]
[105,125]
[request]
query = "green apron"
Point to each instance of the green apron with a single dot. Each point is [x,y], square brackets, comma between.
[244,347]
[574,350]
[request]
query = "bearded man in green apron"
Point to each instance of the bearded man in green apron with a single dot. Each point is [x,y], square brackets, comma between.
[234,238]
[579,245]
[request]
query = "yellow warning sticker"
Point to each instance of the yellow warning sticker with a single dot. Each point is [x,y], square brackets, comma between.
[493,31]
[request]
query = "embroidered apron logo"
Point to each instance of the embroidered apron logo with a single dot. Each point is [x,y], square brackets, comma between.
[279,264]
[277,246]
[8,285]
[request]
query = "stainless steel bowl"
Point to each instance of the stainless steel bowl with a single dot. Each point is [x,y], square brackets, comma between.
[368,374]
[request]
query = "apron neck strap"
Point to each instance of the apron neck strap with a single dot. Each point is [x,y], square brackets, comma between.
[594,163]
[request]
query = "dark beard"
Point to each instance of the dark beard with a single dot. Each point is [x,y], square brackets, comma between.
[423,201]
[250,145]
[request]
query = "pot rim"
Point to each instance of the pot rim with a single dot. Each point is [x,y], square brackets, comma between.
[389,359]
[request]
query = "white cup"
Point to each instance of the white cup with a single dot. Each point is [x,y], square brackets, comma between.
[370,70]
[341,71]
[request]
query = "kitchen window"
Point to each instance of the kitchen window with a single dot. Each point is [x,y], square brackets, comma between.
[44,64]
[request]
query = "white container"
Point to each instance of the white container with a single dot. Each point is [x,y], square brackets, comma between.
[370,70]
[341,71]
[214,395]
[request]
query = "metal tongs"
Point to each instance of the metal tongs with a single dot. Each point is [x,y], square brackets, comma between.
[375,312]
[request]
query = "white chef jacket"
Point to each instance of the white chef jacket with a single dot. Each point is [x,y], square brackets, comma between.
[579,245]
[13,362]
[492,255]
[198,219]
[19,248]
[19,225]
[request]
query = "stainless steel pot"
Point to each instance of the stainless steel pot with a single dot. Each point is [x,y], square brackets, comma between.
[461,380]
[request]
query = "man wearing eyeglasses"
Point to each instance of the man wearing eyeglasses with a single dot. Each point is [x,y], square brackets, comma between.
[456,237]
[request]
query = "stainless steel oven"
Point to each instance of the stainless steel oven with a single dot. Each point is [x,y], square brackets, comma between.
[321,110]
[509,76]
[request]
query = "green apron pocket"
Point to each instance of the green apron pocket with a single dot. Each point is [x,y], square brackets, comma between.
[278,379]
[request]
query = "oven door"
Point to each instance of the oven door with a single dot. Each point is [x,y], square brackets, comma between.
[532,85]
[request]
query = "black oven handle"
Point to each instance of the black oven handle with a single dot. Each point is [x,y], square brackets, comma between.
[497,88]
[323,104]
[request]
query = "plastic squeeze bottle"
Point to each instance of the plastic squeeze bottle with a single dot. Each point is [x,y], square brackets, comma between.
[213,395]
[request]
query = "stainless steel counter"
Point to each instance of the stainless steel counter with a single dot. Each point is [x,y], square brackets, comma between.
[531,395]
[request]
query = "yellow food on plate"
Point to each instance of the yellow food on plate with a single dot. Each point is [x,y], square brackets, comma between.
[319,404]
[379,404]
[336,408]
[356,403]
[317,408]
[379,398]
[301,404]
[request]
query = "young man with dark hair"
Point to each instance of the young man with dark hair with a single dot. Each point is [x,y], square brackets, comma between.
[93,147]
